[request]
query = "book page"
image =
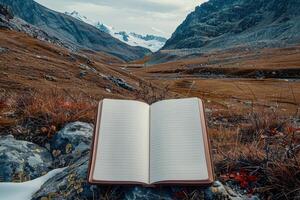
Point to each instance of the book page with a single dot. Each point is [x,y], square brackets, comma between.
[123,144]
[177,151]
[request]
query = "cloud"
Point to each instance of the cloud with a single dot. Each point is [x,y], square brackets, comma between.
[158,31]
[142,5]
[141,16]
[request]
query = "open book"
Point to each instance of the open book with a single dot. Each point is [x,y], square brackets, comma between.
[162,143]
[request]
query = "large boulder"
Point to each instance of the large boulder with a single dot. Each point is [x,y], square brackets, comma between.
[70,143]
[216,191]
[21,160]
[69,184]
[72,184]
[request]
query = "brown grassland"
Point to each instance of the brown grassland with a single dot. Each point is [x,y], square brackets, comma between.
[251,99]
[252,104]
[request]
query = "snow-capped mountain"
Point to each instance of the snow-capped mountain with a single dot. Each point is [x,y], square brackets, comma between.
[76,15]
[152,42]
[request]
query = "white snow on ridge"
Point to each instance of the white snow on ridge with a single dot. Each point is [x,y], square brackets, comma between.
[25,190]
[152,42]
[76,15]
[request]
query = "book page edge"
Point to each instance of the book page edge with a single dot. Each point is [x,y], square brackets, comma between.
[93,144]
[207,143]
[108,99]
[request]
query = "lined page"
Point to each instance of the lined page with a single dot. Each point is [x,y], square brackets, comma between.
[177,151]
[123,145]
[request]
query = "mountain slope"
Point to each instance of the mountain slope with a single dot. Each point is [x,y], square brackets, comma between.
[9,22]
[221,24]
[152,42]
[72,31]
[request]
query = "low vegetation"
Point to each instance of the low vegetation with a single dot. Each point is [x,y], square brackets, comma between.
[37,116]
[261,155]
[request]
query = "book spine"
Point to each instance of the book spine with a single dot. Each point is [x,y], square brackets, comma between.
[149,139]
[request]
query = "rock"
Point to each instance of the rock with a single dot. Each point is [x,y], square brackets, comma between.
[32,78]
[50,78]
[82,74]
[88,68]
[72,184]
[6,12]
[5,74]
[121,83]
[3,50]
[138,192]
[72,58]
[69,184]
[70,147]
[84,67]
[22,160]
[89,62]
[219,188]
[70,143]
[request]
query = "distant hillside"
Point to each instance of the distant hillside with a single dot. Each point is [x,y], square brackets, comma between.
[222,24]
[72,31]
[152,42]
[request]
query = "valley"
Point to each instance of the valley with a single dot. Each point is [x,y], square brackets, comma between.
[29,65]
[234,80]
[246,94]
[54,69]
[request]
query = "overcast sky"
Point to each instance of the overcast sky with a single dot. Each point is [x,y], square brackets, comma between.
[160,17]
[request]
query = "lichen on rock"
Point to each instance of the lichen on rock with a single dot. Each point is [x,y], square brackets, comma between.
[70,143]
[21,160]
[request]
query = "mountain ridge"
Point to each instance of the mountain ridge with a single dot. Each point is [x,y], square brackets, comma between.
[77,34]
[152,42]
[221,24]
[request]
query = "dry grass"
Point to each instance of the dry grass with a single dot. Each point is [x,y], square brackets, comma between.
[230,62]
[268,149]
[55,108]
[37,116]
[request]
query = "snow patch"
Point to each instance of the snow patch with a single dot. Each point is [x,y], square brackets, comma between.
[25,190]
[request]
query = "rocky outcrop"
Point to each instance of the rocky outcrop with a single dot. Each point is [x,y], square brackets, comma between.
[72,184]
[71,31]
[22,160]
[71,143]
[120,83]
[11,22]
[69,184]
[25,159]
[223,24]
